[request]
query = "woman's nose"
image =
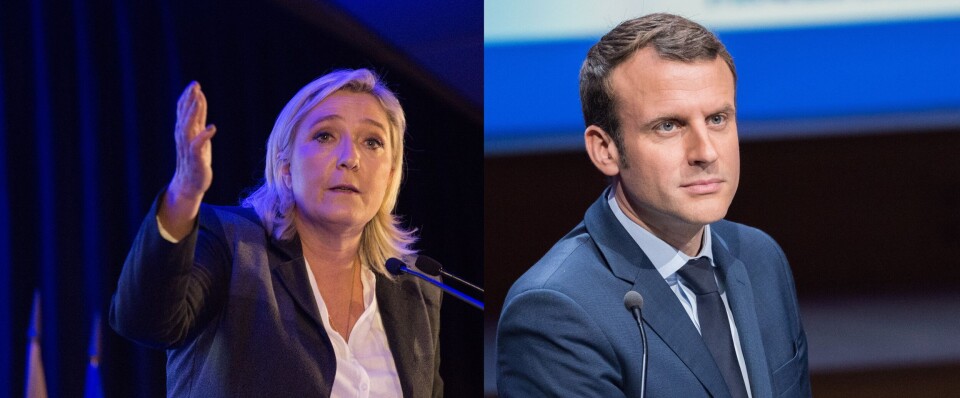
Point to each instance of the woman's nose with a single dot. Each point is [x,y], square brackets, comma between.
[349,156]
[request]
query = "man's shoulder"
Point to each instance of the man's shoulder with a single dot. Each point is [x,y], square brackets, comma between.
[564,267]
[727,228]
[756,250]
[742,239]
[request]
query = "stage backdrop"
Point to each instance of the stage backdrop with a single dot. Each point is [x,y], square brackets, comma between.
[87,104]
[806,68]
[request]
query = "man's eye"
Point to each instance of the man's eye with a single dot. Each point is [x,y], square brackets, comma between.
[666,127]
[718,119]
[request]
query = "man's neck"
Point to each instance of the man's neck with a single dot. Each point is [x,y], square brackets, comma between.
[683,237]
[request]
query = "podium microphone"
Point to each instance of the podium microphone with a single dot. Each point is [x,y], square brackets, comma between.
[432,267]
[634,302]
[397,267]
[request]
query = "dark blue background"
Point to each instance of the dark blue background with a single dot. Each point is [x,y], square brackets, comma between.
[87,102]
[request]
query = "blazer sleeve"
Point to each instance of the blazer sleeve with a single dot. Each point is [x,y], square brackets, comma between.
[548,346]
[168,291]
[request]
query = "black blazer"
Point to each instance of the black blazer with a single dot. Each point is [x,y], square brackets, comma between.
[234,309]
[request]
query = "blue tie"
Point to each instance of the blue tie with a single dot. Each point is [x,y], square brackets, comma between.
[714,327]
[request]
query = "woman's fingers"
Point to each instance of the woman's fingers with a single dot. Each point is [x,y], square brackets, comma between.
[199,144]
[192,109]
[184,100]
[201,108]
[191,114]
[191,122]
[194,149]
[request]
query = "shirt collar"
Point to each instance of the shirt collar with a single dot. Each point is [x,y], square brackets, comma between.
[665,258]
[368,280]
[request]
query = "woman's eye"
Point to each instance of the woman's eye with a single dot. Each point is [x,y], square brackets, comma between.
[323,136]
[373,143]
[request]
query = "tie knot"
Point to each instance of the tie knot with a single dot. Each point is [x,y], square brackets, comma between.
[698,275]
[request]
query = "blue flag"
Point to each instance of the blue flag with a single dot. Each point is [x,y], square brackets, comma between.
[36,381]
[93,388]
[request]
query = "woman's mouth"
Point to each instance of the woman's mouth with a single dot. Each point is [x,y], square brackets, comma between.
[345,188]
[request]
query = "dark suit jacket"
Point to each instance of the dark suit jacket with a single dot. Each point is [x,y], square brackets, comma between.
[236,313]
[564,330]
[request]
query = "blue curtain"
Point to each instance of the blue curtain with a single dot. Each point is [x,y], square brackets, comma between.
[87,101]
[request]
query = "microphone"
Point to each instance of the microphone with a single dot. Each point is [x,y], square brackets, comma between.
[432,267]
[634,303]
[397,267]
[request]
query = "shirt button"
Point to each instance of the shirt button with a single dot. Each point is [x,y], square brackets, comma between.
[363,386]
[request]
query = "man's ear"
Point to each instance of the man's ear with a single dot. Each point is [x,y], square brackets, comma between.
[602,150]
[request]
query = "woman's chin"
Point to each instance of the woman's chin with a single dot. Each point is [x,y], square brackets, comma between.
[345,219]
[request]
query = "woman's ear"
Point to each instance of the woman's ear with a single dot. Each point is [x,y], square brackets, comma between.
[285,173]
[602,150]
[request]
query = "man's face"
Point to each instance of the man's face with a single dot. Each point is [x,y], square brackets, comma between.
[679,128]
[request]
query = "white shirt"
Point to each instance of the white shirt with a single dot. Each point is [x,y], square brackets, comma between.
[668,260]
[365,366]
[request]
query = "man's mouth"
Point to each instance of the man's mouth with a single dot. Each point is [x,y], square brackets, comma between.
[704,186]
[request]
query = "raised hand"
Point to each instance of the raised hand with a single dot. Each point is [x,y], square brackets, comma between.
[194,173]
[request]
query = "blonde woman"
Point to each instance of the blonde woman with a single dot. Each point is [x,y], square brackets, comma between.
[287,295]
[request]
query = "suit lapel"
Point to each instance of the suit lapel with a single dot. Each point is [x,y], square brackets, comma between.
[743,306]
[407,333]
[662,311]
[291,270]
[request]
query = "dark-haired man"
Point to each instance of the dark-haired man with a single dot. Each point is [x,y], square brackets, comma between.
[720,309]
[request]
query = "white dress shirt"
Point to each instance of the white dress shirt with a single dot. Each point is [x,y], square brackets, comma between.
[365,366]
[668,260]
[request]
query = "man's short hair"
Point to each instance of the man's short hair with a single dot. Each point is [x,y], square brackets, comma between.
[673,37]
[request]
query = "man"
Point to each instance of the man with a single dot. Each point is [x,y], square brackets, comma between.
[719,306]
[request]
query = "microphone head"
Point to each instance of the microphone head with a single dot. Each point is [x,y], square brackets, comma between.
[395,266]
[633,300]
[428,265]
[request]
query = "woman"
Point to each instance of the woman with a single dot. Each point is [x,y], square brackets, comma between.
[287,295]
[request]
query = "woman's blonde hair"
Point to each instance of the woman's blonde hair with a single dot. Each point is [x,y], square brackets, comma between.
[383,237]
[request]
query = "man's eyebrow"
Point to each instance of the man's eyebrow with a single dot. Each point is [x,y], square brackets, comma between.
[726,108]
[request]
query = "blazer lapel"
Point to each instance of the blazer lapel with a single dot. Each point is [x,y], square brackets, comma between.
[407,332]
[291,270]
[662,311]
[743,306]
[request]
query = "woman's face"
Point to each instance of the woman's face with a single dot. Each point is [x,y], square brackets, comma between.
[341,161]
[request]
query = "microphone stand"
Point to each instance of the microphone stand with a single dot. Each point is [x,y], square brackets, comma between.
[454,277]
[402,268]
[643,363]
[633,300]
